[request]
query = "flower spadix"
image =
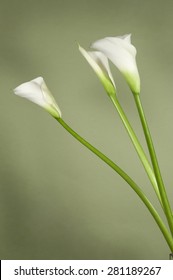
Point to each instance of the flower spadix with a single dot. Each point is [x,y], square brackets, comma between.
[100,65]
[37,92]
[122,54]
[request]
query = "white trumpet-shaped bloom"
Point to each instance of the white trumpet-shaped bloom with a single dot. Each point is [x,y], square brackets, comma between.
[100,65]
[122,54]
[37,92]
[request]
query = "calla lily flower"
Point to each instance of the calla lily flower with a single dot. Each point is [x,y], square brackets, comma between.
[122,54]
[100,65]
[37,92]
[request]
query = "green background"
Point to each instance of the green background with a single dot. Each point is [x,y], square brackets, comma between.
[57,200]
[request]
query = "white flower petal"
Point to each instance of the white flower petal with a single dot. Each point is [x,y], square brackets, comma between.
[123,54]
[37,92]
[126,37]
[28,90]
[100,65]
[102,62]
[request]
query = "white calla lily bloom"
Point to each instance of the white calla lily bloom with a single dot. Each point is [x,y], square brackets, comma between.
[37,92]
[99,62]
[122,54]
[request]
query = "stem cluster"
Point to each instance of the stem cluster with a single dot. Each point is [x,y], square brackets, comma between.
[153,171]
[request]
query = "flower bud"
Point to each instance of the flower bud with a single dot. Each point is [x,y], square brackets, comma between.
[37,92]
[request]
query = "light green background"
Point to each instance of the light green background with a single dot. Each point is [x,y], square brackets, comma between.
[57,200]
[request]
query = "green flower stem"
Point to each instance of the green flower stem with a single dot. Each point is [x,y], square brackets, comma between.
[133,185]
[163,194]
[137,146]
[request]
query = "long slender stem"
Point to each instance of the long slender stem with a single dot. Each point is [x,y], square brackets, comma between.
[137,146]
[133,185]
[155,164]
